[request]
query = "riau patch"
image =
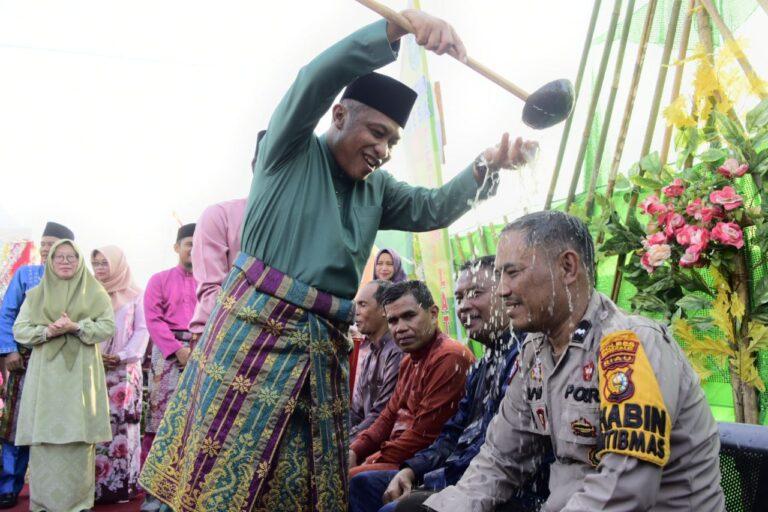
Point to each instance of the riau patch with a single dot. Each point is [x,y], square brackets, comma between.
[582,427]
[633,418]
[617,355]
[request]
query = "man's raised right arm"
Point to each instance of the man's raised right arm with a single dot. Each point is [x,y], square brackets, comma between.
[316,86]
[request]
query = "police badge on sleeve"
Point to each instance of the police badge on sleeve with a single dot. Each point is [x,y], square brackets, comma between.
[633,418]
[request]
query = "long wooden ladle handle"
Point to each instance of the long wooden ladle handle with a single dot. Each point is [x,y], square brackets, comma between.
[400,20]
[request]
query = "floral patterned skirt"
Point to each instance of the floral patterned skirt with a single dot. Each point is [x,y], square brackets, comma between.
[118,461]
[260,419]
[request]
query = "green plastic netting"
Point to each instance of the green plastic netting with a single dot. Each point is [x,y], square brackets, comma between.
[733,12]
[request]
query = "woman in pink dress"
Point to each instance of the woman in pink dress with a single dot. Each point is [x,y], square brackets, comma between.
[118,462]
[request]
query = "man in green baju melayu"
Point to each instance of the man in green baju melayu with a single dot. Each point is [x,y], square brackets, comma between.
[260,418]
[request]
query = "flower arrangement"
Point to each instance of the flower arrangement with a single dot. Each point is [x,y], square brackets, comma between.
[694,226]
[701,233]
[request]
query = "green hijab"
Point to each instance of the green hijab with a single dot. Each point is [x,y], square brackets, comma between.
[81,297]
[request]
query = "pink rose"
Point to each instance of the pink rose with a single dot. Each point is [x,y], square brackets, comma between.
[103,468]
[727,198]
[692,235]
[698,211]
[672,222]
[728,233]
[676,189]
[121,394]
[654,239]
[655,256]
[692,256]
[652,206]
[118,449]
[732,169]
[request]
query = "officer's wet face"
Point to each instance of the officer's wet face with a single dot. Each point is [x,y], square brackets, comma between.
[480,309]
[530,285]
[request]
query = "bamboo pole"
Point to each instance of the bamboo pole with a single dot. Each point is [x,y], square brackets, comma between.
[681,53]
[764,5]
[460,249]
[630,105]
[576,88]
[483,240]
[609,109]
[472,250]
[650,127]
[740,56]
[596,90]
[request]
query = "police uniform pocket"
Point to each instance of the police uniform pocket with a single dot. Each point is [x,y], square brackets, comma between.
[581,423]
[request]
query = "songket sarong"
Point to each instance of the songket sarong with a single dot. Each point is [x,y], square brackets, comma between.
[163,380]
[61,477]
[118,461]
[260,419]
[13,389]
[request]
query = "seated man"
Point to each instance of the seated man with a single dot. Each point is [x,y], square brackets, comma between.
[429,387]
[442,463]
[378,372]
[612,394]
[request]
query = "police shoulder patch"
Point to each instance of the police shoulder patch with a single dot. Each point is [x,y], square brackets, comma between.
[633,418]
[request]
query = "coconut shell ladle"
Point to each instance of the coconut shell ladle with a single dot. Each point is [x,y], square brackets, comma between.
[550,104]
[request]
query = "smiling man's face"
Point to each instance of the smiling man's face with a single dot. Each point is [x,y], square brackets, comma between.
[480,309]
[365,139]
[531,286]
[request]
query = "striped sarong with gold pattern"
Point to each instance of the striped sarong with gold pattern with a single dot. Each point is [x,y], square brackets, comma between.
[260,418]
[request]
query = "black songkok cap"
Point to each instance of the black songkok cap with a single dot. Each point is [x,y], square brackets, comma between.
[185,231]
[59,231]
[383,93]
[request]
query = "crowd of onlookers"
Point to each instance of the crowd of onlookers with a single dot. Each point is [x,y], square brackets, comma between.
[426,413]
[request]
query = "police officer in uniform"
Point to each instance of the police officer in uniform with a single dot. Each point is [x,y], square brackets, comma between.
[612,394]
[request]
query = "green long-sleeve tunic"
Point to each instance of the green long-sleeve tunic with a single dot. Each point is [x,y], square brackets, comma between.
[61,405]
[305,217]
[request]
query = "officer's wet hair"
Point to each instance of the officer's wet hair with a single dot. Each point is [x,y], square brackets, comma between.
[557,232]
[418,289]
[476,264]
[382,286]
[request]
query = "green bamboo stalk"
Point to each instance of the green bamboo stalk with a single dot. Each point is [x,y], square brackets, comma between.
[596,90]
[609,109]
[576,89]
[472,251]
[460,248]
[681,53]
[483,240]
[630,105]
[650,127]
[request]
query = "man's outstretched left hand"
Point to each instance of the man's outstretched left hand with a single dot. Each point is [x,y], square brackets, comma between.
[506,155]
